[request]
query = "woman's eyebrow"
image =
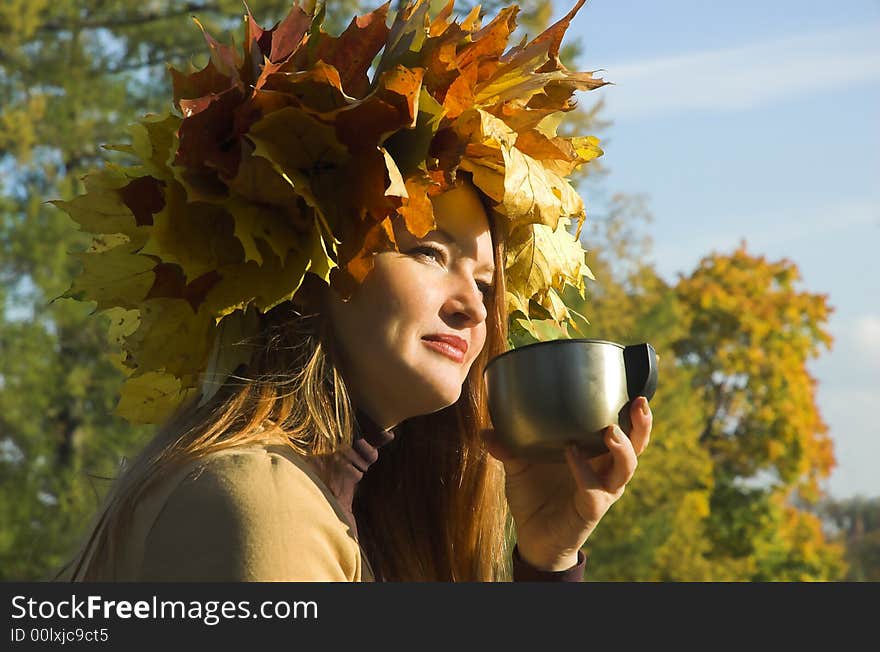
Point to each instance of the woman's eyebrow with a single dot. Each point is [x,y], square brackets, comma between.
[444,235]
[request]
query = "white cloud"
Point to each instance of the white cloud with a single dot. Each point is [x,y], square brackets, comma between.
[867,338]
[744,77]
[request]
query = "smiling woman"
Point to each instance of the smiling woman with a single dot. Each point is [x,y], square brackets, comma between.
[310,268]
[420,315]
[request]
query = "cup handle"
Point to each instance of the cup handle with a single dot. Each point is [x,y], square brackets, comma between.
[640,362]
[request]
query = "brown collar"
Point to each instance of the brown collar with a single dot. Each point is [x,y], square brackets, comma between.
[343,470]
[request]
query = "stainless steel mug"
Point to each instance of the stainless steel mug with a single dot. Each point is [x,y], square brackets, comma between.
[546,395]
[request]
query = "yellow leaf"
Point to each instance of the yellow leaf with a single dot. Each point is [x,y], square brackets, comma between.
[555,306]
[115,277]
[587,148]
[268,223]
[102,209]
[532,192]
[269,284]
[516,303]
[294,140]
[417,210]
[122,323]
[540,258]
[321,263]
[197,236]
[513,84]
[550,123]
[151,397]
[171,337]
[299,186]
[488,177]
[154,142]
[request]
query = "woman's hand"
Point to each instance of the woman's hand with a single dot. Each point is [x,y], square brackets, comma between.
[555,509]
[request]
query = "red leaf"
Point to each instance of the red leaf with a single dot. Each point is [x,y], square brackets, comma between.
[224,57]
[287,36]
[207,138]
[171,283]
[354,50]
[391,107]
[144,198]
[207,81]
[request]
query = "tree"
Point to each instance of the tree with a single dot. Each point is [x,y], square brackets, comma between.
[749,334]
[856,521]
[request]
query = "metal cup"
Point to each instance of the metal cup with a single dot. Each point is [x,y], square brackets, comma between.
[546,395]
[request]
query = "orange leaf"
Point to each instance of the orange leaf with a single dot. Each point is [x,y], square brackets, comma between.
[417,210]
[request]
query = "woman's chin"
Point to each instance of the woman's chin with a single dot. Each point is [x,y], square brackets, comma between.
[435,399]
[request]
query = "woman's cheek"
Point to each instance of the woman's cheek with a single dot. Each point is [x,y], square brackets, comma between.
[479,342]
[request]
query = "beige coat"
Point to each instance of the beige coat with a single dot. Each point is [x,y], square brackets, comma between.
[256,513]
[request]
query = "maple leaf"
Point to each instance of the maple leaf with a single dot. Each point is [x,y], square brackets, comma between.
[286,158]
[116,277]
[540,262]
[531,191]
[151,397]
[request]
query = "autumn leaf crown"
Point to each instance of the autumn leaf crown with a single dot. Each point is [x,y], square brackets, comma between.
[235,195]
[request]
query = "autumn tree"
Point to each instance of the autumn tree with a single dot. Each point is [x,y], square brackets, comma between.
[749,333]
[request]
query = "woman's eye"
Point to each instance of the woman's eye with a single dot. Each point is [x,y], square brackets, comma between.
[430,252]
[438,255]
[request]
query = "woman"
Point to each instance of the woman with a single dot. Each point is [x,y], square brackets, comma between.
[354,443]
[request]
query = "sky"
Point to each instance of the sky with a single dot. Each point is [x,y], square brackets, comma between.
[759,121]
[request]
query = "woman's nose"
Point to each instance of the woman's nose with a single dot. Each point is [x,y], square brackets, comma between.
[467,300]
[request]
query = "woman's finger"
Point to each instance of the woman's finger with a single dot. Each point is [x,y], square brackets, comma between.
[642,420]
[601,463]
[585,477]
[625,459]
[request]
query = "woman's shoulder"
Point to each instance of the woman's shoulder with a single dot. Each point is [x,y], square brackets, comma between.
[256,512]
[271,469]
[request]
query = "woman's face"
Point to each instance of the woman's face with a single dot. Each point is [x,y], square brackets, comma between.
[388,333]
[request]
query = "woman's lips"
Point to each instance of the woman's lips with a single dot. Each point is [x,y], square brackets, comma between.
[445,348]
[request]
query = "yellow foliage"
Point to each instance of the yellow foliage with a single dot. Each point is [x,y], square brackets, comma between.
[285,158]
[752,333]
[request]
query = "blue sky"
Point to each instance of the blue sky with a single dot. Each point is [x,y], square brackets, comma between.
[759,121]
